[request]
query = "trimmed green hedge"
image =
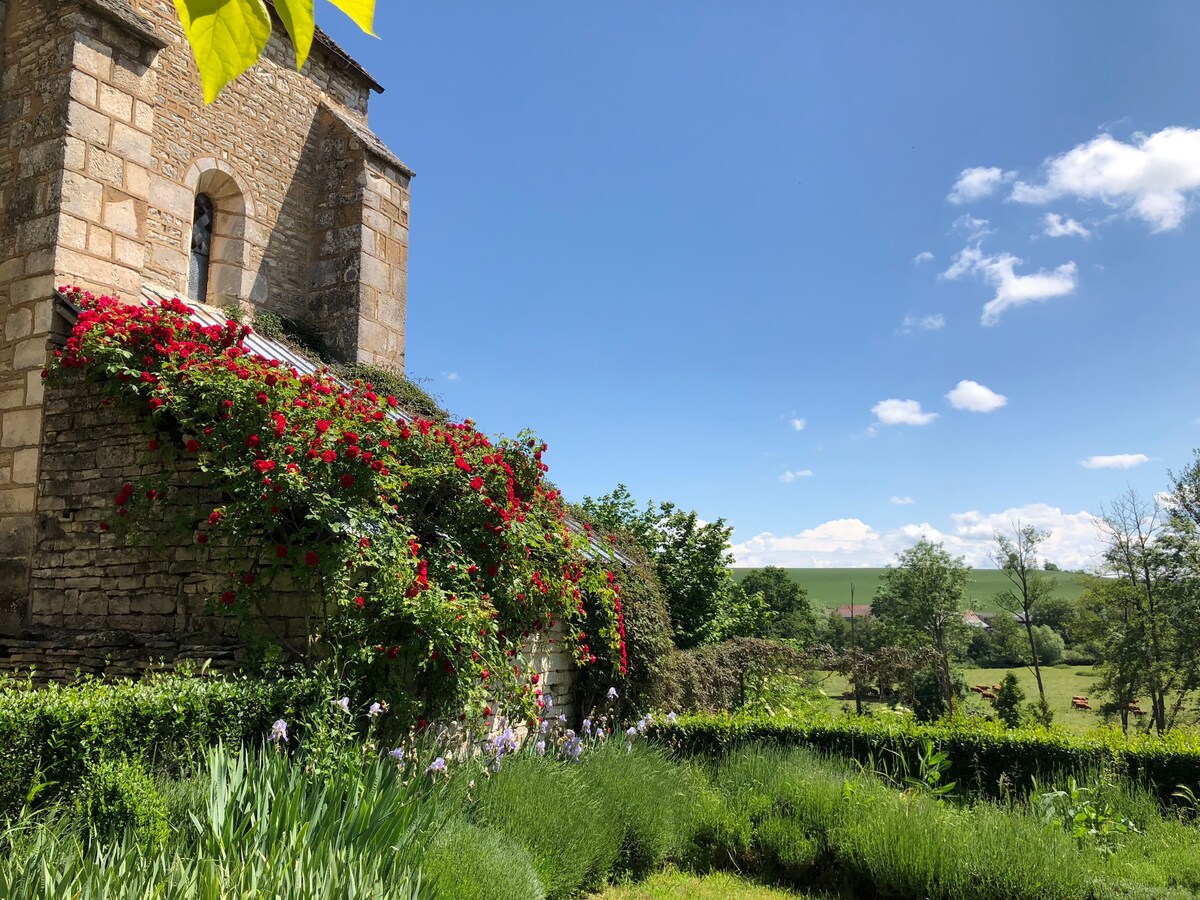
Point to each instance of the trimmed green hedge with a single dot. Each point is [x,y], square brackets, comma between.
[51,735]
[984,756]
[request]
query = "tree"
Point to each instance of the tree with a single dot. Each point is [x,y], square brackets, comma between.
[1146,613]
[791,614]
[1017,559]
[922,597]
[692,560]
[229,36]
[1008,701]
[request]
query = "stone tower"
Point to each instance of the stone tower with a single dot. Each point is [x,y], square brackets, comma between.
[116,177]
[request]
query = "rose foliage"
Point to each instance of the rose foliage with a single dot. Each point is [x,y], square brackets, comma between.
[431,554]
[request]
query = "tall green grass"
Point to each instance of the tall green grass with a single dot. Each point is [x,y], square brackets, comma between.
[263,827]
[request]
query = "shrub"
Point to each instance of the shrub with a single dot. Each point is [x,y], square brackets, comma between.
[50,735]
[470,863]
[1050,645]
[984,756]
[655,825]
[119,794]
[729,675]
[1008,701]
[574,844]
[648,638]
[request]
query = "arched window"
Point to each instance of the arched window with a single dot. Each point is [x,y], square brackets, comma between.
[202,232]
[218,246]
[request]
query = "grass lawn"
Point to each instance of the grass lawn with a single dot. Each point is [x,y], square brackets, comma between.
[674,885]
[831,587]
[1062,683]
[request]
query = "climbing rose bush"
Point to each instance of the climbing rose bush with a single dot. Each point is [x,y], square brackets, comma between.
[430,553]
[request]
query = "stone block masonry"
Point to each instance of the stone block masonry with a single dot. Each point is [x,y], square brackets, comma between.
[104,144]
[98,604]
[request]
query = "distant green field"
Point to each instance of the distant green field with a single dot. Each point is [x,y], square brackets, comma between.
[831,587]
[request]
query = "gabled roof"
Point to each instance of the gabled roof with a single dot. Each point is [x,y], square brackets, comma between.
[855,611]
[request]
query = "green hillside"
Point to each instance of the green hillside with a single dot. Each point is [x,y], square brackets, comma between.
[831,587]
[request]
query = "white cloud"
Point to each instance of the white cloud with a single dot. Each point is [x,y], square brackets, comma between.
[1057,226]
[923,257]
[1151,177]
[974,397]
[1074,540]
[789,477]
[901,412]
[975,229]
[1116,461]
[798,424]
[978,182]
[934,322]
[903,501]
[451,376]
[1012,290]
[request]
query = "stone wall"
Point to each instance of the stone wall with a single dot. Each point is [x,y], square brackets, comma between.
[97,603]
[36,57]
[100,605]
[104,143]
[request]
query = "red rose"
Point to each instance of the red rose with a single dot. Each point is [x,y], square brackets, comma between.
[476,483]
[202,538]
[281,551]
[104,526]
[193,446]
[154,444]
[214,517]
[228,597]
[346,481]
[312,558]
[328,456]
[323,425]
[360,602]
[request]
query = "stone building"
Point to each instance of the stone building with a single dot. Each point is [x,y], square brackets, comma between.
[116,177]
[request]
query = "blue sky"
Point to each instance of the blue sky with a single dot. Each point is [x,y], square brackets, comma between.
[659,233]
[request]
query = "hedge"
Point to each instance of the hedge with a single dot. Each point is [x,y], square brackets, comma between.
[52,735]
[984,755]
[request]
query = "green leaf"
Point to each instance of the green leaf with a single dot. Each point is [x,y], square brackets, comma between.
[361,11]
[227,38]
[297,16]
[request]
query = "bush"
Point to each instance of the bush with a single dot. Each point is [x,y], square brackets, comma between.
[119,794]
[1050,645]
[1008,701]
[648,638]
[728,675]
[470,863]
[985,756]
[51,735]
[545,807]
[655,826]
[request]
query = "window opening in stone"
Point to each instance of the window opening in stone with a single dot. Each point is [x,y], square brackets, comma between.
[202,229]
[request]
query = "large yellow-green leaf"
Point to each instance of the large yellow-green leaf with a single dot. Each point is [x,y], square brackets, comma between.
[361,11]
[297,16]
[227,38]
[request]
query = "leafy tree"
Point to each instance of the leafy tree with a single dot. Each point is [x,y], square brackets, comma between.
[1016,557]
[922,597]
[693,563]
[1049,645]
[692,560]
[1008,701]
[792,615]
[229,36]
[1002,645]
[1146,613]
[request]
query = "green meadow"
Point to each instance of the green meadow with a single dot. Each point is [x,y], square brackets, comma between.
[831,587]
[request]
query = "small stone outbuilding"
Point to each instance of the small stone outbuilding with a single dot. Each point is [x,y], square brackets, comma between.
[116,177]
